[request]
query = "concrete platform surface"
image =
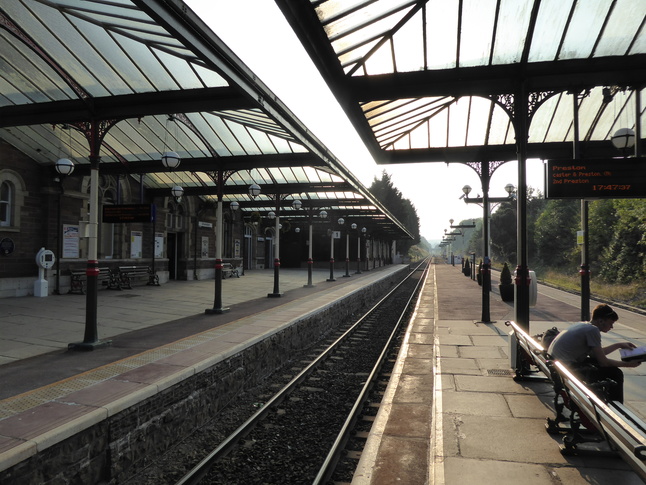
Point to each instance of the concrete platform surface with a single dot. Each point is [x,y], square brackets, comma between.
[452,413]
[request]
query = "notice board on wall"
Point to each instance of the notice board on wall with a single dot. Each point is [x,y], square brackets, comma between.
[611,178]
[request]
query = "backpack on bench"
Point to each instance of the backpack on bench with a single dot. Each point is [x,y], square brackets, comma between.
[546,338]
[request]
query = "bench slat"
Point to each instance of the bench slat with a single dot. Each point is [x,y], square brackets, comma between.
[79,277]
[229,270]
[128,273]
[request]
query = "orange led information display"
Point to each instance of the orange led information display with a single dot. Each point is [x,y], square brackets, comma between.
[128,213]
[611,178]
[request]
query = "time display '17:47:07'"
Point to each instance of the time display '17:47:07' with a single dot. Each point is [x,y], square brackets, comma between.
[611,187]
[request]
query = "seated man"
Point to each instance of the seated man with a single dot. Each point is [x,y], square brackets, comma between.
[579,346]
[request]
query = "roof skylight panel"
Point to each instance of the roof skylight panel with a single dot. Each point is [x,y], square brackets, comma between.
[511,32]
[478,18]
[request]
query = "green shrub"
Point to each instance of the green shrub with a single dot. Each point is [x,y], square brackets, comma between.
[505,275]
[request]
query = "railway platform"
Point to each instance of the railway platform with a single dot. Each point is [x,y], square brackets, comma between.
[160,336]
[451,414]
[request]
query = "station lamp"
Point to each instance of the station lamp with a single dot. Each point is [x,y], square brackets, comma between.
[623,139]
[254,190]
[177,192]
[64,166]
[170,160]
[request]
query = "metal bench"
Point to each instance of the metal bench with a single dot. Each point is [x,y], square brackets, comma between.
[79,277]
[229,271]
[129,273]
[592,418]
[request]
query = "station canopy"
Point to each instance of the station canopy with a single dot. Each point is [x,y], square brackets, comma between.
[435,80]
[154,78]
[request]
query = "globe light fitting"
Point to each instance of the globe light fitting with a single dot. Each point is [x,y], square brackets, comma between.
[177,192]
[271,215]
[297,204]
[254,190]
[623,138]
[64,166]
[323,214]
[235,205]
[170,160]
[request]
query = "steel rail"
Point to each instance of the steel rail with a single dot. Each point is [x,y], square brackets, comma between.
[329,465]
[199,471]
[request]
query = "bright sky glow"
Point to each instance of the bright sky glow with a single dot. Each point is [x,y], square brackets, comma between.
[258,33]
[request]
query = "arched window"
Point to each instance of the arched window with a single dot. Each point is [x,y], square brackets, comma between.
[170,215]
[6,204]
[179,220]
[12,199]
[175,220]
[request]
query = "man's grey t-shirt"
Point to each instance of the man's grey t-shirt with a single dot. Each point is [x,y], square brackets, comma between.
[575,343]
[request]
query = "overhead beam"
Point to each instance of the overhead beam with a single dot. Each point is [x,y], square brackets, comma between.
[210,164]
[356,204]
[125,106]
[267,190]
[575,74]
[544,151]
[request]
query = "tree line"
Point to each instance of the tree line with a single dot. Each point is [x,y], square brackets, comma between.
[616,233]
[616,236]
[400,207]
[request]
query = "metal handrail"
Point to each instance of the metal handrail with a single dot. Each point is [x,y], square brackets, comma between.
[625,431]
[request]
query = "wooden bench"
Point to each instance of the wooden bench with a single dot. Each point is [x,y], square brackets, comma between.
[129,273]
[592,417]
[79,277]
[229,271]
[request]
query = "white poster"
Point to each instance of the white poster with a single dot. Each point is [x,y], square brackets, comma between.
[71,237]
[135,244]
[205,247]
[159,244]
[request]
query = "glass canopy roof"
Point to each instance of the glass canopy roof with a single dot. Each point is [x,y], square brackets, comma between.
[157,79]
[433,80]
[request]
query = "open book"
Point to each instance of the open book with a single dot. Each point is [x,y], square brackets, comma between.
[629,355]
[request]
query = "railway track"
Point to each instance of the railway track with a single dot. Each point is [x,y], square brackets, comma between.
[301,433]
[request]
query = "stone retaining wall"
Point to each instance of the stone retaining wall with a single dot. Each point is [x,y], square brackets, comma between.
[118,447]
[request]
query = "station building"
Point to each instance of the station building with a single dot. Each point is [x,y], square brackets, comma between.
[163,131]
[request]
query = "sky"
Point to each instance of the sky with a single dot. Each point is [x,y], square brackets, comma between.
[257,32]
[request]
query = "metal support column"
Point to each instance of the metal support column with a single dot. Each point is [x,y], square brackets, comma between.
[521,126]
[91,337]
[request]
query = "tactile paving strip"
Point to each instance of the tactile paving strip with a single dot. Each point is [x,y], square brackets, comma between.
[52,392]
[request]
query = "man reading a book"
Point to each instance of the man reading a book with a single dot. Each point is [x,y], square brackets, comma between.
[579,348]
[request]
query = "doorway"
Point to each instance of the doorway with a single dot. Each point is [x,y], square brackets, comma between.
[174,252]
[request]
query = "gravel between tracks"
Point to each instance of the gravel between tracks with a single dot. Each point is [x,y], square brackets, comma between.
[292,442]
